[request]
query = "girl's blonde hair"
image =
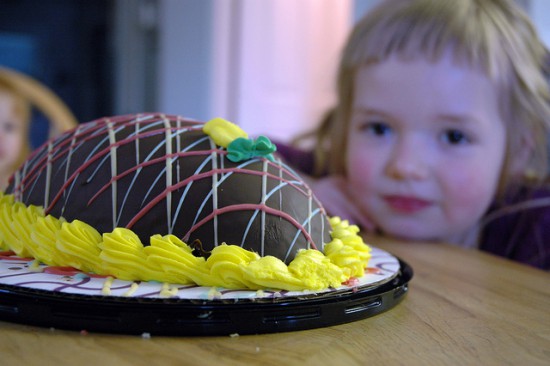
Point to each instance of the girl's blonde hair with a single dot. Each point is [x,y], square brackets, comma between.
[494,36]
[22,110]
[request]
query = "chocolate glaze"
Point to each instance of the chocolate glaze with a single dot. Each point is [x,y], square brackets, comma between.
[160,174]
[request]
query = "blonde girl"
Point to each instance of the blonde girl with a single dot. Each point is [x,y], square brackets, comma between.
[441,127]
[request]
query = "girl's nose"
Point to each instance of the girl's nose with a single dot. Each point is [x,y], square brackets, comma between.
[408,161]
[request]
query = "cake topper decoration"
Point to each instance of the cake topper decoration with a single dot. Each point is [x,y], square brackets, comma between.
[223,132]
[236,141]
[243,149]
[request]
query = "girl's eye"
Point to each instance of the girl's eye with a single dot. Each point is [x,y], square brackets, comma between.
[9,127]
[376,128]
[455,137]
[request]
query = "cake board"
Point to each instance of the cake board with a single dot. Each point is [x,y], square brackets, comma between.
[194,311]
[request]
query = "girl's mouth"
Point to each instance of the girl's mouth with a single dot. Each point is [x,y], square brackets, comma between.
[406,204]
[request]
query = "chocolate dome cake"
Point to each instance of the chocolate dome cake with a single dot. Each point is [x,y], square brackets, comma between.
[162,174]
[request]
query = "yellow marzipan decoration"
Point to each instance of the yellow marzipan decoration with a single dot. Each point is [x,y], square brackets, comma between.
[28,232]
[223,132]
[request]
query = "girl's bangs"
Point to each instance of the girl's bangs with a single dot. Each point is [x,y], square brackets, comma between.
[427,32]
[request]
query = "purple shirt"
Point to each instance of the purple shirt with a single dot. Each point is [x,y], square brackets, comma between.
[523,234]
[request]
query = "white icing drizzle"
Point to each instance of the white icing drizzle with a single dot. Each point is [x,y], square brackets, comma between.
[307,220]
[214,157]
[188,187]
[266,195]
[30,189]
[106,290]
[149,157]
[178,149]
[214,293]
[17,183]
[99,166]
[113,154]
[279,164]
[48,176]
[323,240]
[138,126]
[99,132]
[276,189]
[250,222]
[168,161]
[35,266]
[139,129]
[309,205]
[68,160]
[168,291]
[264,188]
[220,181]
[18,179]
[133,288]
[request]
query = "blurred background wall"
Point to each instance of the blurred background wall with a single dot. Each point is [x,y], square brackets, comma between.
[65,45]
[268,65]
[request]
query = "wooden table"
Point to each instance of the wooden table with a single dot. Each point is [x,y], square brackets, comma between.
[464,307]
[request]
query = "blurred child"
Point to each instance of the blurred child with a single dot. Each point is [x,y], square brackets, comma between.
[14,126]
[440,132]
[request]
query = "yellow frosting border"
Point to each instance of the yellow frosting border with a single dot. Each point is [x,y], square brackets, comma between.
[30,233]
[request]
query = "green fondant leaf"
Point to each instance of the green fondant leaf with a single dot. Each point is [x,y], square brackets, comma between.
[243,149]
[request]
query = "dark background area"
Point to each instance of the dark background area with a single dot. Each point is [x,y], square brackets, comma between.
[65,44]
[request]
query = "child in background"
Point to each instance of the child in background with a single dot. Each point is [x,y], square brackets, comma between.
[440,132]
[14,126]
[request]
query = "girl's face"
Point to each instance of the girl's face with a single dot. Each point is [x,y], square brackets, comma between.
[11,134]
[426,147]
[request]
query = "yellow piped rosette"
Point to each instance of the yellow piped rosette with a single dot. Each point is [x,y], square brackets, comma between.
[29,233]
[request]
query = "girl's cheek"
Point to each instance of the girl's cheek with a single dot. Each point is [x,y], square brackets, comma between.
[471,188]
[361,168]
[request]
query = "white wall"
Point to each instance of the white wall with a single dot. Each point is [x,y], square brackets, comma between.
[267,65]
[284,55]
[185,59]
